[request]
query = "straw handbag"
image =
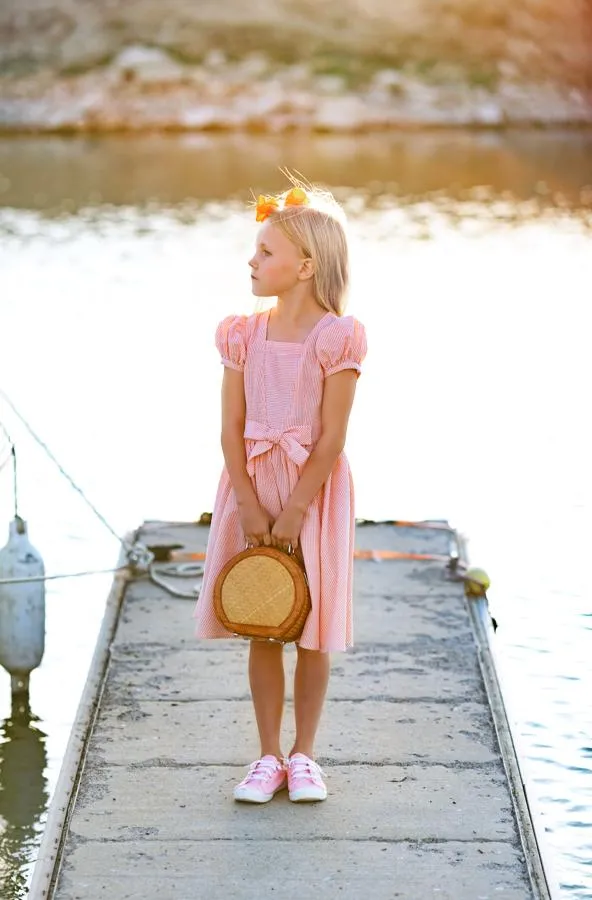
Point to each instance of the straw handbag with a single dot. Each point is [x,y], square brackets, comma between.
[263,592]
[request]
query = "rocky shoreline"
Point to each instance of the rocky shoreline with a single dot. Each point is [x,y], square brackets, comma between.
[145,89]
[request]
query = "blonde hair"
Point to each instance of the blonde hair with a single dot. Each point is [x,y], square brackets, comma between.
[317,228]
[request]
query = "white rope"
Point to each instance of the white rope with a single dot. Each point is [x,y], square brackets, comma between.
[36,578]
[5,446]
[177,570]
[174,570]
[137,554]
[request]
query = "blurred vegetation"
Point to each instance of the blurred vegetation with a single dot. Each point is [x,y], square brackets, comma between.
[440,40]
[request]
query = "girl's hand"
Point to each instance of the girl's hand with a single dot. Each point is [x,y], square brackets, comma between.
[256,524]
[287,528]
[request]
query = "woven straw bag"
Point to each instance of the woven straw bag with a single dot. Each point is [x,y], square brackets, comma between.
[263,593]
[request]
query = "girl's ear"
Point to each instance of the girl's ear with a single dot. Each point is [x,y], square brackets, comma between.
[306,270]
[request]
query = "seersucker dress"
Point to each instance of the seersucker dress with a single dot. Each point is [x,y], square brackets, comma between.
[284,391]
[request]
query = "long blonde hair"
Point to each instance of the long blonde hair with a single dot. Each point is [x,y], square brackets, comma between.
[317,228]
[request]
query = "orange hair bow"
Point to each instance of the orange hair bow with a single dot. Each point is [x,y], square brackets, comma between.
[296,197]
[267,205]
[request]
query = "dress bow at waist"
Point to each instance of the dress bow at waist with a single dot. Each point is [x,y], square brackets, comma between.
[293,442]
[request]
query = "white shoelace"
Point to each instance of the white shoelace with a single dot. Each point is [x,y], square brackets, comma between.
[262,769]
[305,768]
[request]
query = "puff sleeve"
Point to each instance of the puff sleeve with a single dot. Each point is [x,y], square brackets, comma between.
[342,345]
[231,341]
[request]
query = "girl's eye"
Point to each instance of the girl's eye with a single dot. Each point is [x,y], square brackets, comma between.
[266,253]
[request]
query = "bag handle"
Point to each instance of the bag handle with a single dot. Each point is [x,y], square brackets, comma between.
[289,550]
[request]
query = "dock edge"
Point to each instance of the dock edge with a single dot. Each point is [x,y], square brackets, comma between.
[539,865]
[47,865]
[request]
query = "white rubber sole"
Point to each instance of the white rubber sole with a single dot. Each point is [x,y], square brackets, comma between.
[308,795]
[245,796]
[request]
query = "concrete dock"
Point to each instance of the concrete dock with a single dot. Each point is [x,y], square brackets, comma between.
[422,800]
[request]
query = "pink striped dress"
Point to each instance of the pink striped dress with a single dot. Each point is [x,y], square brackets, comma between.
[284,391]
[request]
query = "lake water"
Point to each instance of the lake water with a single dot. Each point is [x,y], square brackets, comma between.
[472,258]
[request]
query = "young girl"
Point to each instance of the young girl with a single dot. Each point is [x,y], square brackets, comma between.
[288,387]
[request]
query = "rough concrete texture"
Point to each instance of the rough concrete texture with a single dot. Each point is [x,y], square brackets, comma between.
[418,805]
[285,868]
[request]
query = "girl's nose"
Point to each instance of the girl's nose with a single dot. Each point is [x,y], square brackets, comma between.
[252,262]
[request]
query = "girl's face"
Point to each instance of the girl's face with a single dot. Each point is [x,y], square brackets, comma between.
[276,265]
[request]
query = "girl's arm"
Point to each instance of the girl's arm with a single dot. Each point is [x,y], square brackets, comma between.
[255,521]
[232,437]
[338,398]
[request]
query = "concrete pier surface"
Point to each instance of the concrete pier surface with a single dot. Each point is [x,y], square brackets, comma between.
[425,798]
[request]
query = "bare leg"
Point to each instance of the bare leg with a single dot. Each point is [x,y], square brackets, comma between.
[266,677]
[310,686]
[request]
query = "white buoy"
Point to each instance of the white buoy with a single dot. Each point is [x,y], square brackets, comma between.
[22,607]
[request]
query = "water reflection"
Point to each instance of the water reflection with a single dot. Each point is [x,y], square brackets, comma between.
[23,797]
[53,173]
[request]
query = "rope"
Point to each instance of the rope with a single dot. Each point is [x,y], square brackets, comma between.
[137,554]
[33,578]
[177,570]
[6,447]
[8,452]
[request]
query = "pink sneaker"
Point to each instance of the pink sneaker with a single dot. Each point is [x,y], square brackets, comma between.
[305,782]
[265,778]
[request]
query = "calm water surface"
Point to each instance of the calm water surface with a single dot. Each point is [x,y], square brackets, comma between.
[472,271]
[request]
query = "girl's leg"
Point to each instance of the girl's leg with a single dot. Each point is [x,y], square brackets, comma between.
[310,686]
[266,678]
